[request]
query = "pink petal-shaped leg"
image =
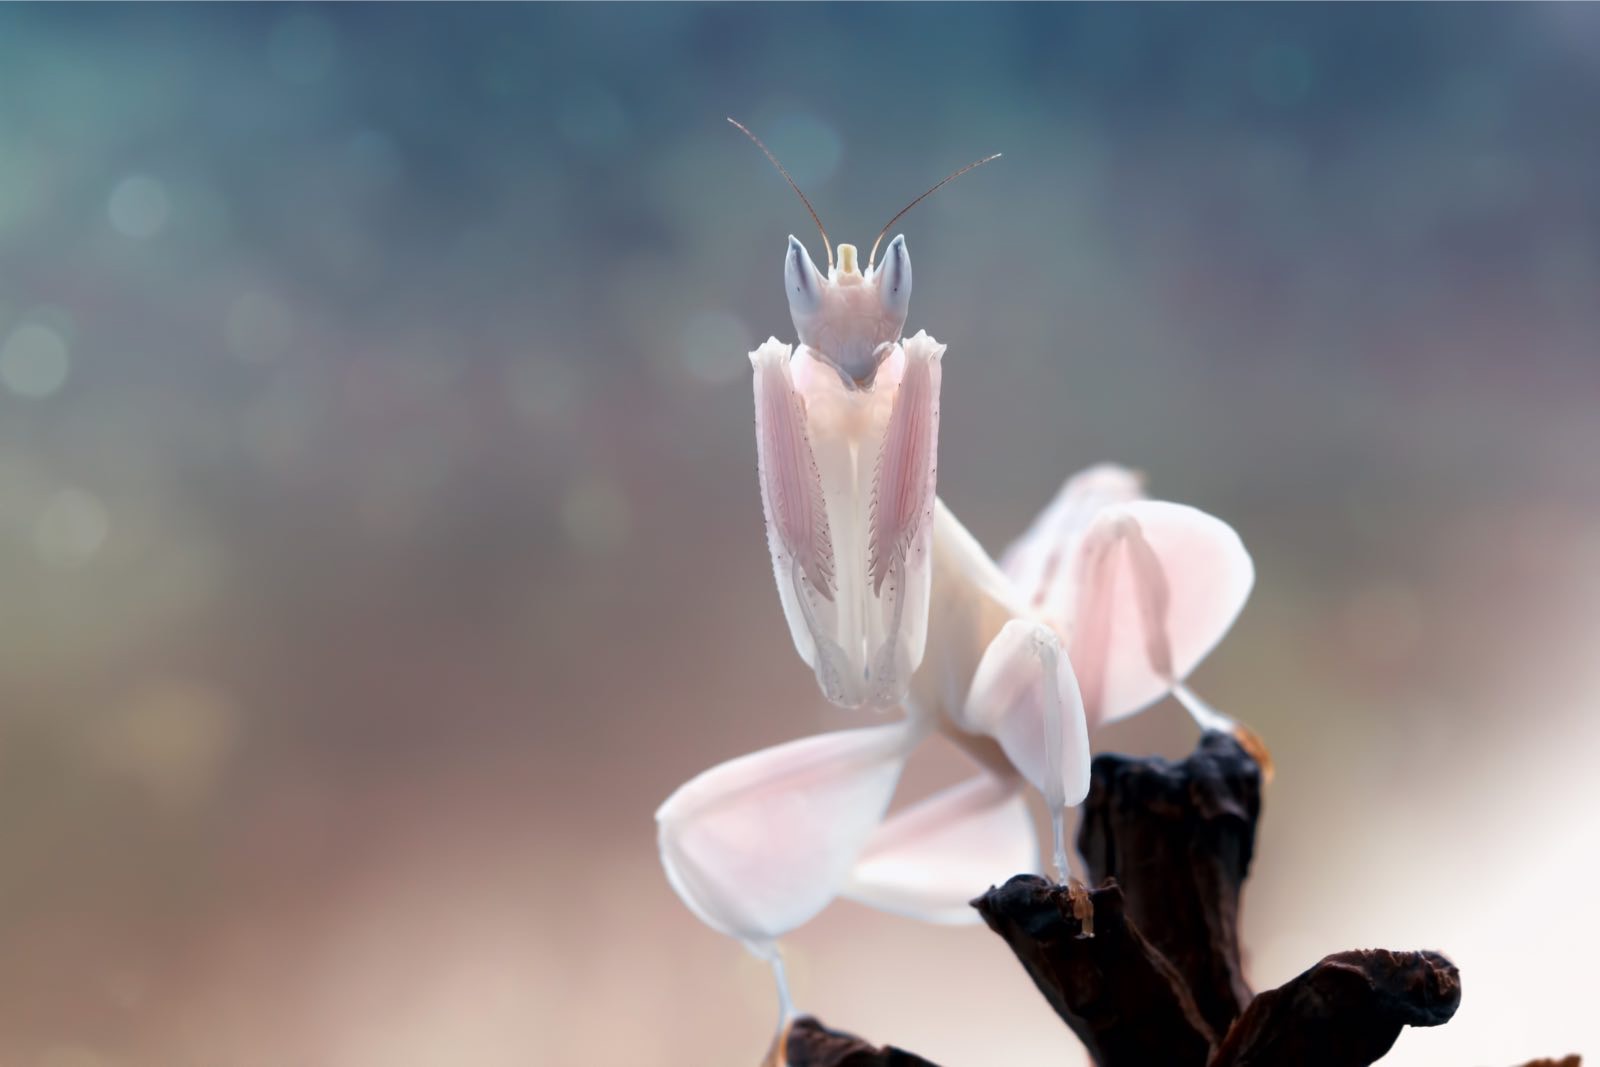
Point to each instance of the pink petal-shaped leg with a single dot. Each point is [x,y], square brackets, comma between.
[901,522]
[790,487]
[1040,562]
[1158,586]
[903,484]
[1025,696]
[929,861]
[760,844]
[798,534]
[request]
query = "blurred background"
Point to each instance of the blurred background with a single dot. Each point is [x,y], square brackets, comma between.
[380,538]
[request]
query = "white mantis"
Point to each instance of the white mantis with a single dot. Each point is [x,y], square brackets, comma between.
[1101,608]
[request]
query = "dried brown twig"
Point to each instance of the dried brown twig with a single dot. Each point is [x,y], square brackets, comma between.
[1160,981]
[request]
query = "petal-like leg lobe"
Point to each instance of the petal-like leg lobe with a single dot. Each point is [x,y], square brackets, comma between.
[1159,584]
[900,521]
[1025,695]
[760,844]
[791,489]
[929,861]
[903,485]
[799,537]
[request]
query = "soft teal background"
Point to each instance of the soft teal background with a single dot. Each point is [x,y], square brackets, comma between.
[380,542]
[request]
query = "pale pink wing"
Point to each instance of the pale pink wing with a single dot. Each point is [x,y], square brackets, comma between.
[929,861]
[760,844]
[1025,696]
[1039,563]
[1159,584]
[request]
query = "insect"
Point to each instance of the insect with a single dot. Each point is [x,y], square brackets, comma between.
[847,428]
[1103,606]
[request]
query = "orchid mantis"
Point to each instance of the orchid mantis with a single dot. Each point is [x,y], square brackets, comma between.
[1105,605]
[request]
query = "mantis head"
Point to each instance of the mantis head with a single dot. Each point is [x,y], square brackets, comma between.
[849,319]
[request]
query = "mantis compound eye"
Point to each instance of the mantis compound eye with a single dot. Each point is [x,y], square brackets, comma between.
[894,282]
[803,282]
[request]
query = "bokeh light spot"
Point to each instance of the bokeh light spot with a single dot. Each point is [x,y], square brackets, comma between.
[34,361]
[713,347]
[71,528]
[259,327]
[597,517]
[138,206]
[302,48]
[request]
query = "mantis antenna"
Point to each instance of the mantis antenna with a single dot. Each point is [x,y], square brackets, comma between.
[974,165]
[828,247]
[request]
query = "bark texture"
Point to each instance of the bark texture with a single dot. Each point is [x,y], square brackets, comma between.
[1124,1000]
[1345,1011]
[1178,837]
